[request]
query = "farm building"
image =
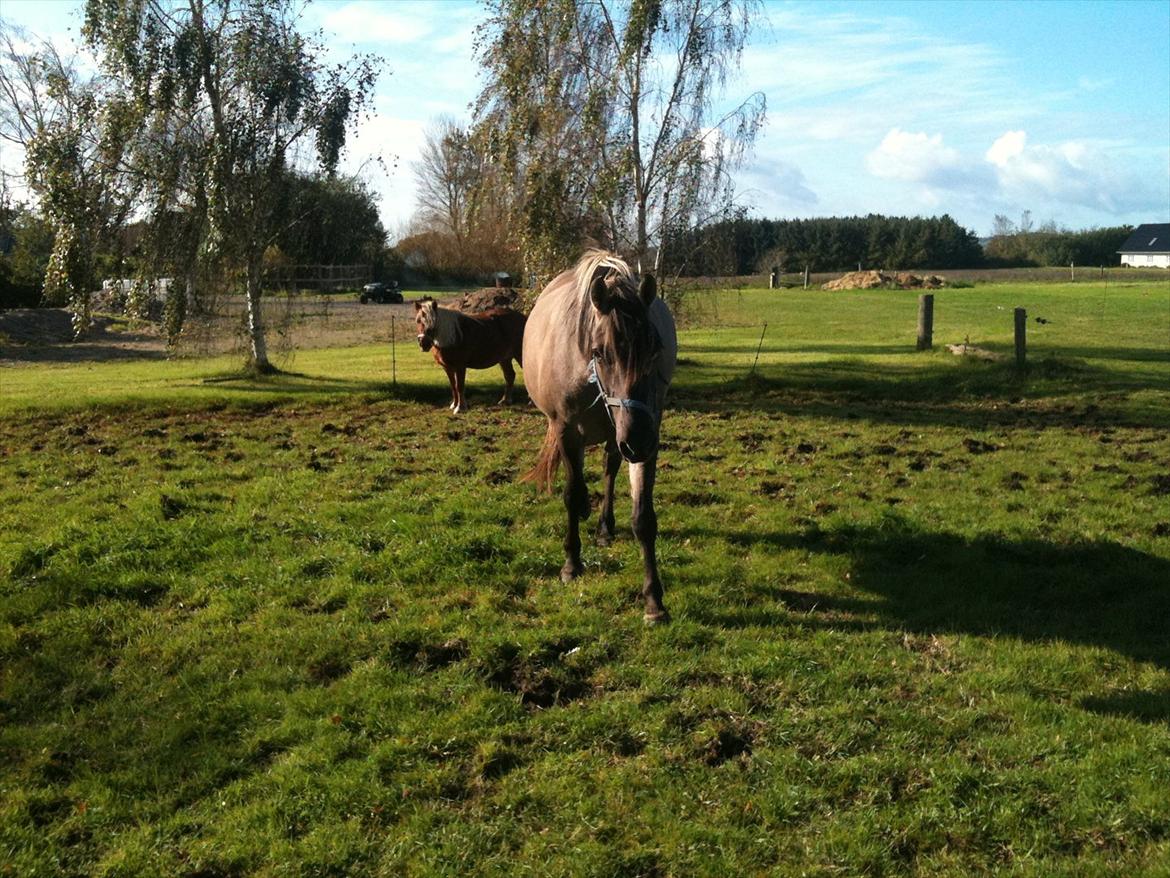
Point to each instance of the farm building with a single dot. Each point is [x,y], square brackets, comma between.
[1147,247]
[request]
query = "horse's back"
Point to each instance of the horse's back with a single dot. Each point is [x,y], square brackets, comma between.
[493,336]
[548,343]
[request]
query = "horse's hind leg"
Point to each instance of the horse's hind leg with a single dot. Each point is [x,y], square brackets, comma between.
[576,502]
[645,522]
[509,380]
[605,522]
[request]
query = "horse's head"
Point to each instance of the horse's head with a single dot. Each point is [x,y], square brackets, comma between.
[625,350]
[424,322]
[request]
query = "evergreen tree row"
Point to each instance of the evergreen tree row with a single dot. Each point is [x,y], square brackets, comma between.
[749,246]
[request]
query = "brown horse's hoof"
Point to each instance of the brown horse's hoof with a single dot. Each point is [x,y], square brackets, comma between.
[571,571]
[658,617]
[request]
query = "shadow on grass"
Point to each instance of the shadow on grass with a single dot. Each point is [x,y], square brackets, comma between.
[300,383]
[1097,593]
[937,391]
[77,352]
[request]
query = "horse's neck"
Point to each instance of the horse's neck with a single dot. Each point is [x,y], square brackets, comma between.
[448,332]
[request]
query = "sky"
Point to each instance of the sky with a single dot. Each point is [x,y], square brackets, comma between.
[974,109]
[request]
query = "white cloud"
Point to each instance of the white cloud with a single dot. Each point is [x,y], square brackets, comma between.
[1006,148]
[778,183]
[1049,178]
[375,23]
[912,157]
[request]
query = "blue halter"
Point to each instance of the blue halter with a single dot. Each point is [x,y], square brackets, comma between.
[612,402]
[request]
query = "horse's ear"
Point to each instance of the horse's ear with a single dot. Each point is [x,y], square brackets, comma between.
[648,289]
[599,294]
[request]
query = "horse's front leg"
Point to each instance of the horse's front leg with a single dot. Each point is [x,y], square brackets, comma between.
[605,522]
[460,380]
[509,380]
[454,388]
[646,530]
[576,502]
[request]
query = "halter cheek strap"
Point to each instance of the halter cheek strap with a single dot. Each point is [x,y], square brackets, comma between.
[612,402]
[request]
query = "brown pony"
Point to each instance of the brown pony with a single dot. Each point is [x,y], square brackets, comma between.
[470,341]
[600,351]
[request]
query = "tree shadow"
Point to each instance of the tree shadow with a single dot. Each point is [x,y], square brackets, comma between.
[1095,593]
[973,395]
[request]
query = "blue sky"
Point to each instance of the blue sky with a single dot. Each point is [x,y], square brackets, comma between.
[972,108]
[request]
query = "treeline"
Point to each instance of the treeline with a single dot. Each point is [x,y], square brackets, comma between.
[1050,247]
[750,246]
[328,220]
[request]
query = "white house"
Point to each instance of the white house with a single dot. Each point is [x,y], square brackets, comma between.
[1148,246]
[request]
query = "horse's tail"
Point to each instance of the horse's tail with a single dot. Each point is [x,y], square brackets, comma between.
[547,462]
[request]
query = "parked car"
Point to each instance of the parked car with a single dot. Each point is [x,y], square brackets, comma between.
[382,293]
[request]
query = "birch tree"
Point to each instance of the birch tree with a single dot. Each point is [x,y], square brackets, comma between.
[226,95]
[613,114]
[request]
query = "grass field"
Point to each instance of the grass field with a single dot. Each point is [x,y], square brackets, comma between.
[312,625]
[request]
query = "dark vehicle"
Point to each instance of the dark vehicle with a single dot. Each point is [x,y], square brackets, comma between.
[383,294]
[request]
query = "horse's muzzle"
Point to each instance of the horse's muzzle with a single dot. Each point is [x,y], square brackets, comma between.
[425,343]
[631,454]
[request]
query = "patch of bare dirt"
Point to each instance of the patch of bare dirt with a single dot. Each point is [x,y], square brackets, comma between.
[872,280]
[46,335]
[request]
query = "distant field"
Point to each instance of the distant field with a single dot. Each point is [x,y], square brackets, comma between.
[312,624]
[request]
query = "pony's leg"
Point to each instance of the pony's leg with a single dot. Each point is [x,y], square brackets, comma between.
[605,523]
[576,501]
[460,379]
[454,388]
[646,530]
[509,378]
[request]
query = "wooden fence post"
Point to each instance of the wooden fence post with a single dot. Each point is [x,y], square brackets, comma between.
[926,321]
[806,277]
[774,278]
[393,353]
[1021,337]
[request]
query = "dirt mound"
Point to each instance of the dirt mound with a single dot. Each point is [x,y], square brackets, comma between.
[871,280]
[36,326]
[489,297]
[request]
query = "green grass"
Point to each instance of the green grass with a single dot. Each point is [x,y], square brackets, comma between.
[312,625]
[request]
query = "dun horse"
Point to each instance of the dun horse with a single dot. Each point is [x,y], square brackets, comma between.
[600,351]
[470,341]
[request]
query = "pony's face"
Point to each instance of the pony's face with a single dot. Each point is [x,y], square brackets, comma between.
[626,348]
[424,323]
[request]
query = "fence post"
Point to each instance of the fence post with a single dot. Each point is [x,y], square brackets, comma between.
[774,278]
[393,353]
[1021,337]
[806,277]
[1072,271]
[926,321]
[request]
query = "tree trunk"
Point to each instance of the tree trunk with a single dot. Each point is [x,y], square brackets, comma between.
[257,349]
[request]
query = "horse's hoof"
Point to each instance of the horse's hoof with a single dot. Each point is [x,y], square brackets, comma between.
[571,571]
[658,617]
[604,538]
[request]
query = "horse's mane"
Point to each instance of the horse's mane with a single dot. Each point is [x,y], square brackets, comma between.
[445,323]
[623,282]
